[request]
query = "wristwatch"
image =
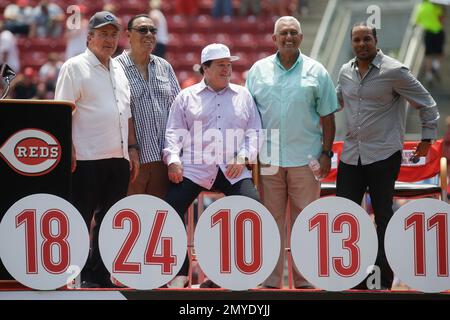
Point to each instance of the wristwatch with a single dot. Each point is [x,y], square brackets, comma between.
[240,159]
[328,153]
[134,146]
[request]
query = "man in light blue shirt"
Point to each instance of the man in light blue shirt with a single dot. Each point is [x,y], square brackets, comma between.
[296,100]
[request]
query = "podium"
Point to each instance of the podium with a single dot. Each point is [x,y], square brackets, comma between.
[35,151]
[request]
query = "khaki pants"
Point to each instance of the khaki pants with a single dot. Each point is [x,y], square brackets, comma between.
[298,185]
[152,180]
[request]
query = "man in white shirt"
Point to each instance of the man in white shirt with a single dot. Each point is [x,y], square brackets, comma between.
[9,53]
[211,137]
[104,148]
[161,23]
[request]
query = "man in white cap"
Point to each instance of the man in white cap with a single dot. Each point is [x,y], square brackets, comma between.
[212,134]
[103,140]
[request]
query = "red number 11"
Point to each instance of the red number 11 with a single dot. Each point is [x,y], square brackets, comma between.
[438,221]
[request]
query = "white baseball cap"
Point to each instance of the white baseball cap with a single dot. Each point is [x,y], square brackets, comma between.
[216,51]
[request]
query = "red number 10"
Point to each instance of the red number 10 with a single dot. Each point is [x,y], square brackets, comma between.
[222,217]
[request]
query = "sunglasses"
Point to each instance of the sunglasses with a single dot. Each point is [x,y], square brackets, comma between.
[146,29]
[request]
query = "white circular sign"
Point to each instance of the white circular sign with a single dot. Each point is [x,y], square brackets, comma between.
[44,241]
[237,242]
[417,244]
[334,243]
[142,242]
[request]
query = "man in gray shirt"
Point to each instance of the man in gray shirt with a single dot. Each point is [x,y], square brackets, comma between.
[373,89]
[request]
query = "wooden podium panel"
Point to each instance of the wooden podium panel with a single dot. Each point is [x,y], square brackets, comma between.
[35,151]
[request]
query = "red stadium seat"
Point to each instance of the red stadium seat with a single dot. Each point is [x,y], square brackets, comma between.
[194,42]
[176,24]
[34,59]
[203,24]
[183,61]
[427,178]
[237,78]
[241,65]
[244,42]
[265,43]
[41,44]
[328,184]
[221,38]
[175,42]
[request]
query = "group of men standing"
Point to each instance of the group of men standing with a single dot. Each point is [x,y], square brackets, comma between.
[134,131]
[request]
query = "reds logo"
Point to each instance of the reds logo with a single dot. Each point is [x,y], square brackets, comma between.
[31,152]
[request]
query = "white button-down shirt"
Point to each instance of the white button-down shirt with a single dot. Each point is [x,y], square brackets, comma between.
[102,99]
[207,130]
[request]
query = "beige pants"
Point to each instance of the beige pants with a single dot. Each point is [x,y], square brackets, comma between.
[152,180]
[296,184]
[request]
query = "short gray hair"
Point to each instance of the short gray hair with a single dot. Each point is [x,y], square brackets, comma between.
[287,19]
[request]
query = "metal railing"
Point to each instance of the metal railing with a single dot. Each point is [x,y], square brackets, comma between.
[412,50]
[330,36]
[323,28]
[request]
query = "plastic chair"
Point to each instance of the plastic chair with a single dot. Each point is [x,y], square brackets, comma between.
[427,178]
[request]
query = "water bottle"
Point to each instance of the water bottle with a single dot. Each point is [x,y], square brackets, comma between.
[314,165]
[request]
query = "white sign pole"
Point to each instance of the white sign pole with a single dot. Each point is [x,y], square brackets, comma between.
[417,244]
[44,241]
[142,242]
[334,243]
[237,242]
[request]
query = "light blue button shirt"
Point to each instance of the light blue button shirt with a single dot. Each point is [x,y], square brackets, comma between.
[291,103]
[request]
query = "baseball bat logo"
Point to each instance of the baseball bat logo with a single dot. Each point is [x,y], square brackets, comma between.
[31,152]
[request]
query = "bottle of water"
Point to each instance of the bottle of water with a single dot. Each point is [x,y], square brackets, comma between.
[314,165]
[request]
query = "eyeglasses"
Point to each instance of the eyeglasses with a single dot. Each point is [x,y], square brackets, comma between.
[146,29]
[285,33]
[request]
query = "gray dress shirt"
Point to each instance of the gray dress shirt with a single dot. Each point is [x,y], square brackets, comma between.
[375,108]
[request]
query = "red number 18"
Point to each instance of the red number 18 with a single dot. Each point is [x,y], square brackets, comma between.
[28,219]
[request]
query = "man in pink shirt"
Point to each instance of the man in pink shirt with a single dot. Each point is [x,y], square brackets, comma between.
[211,137]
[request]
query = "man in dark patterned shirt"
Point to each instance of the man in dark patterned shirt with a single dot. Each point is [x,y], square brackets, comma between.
[373,89]
[153,88]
